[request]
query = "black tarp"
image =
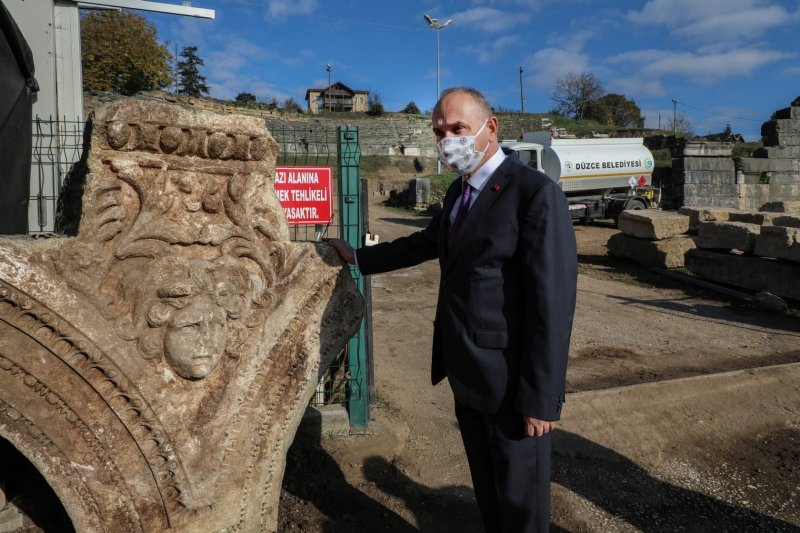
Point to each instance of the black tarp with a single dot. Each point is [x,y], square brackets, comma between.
[17,86]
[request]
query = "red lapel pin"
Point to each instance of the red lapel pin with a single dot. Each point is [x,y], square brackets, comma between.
[496,188]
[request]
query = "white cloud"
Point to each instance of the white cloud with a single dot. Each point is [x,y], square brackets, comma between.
[488,19]
[279,9]
[714,20]
[791,71]
[549,64]
[234,69]
[707,68]
[487,53]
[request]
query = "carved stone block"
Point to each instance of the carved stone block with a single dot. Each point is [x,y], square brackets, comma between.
[155,367]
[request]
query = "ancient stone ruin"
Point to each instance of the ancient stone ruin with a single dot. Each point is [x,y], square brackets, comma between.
[154,368]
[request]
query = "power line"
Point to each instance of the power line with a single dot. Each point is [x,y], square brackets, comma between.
[681,102]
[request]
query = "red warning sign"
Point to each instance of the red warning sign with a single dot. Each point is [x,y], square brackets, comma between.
[642,181]
[305,193]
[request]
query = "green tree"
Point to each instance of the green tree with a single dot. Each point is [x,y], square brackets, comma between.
[120,53]
[375,104]
[615,110]
[190,81]
[245,99]
[411,108]
[573,92]
[290,104]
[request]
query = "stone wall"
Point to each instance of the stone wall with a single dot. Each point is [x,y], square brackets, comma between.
[704,174]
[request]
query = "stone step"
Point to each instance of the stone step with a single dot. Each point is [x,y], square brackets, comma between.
[728,236]
[652,224]
[748,272]
[780,242]
[667,253]
[704,214]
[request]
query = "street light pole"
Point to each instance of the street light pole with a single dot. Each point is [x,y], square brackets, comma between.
[521,92]
[328,90]
[674,116]
[434,25]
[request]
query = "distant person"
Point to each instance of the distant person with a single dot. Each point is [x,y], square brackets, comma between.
[506,250]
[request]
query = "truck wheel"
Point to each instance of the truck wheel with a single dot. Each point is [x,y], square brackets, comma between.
[636,204]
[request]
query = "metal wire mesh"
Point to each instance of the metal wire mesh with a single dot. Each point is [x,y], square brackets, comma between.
[57,145]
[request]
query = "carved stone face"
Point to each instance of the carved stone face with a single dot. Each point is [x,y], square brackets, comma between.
[195,338]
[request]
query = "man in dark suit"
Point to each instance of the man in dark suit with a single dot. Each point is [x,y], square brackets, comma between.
[506,249]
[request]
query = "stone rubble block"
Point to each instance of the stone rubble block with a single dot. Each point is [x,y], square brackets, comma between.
[781,139]
[777,152]
[790,207]
[753,164]
[787,113]
[667,253]
[705,214]
[707,149]
[705,163]
[780,126]
[788,221]
[748,272]
[652,224]
[784,178]
[712,190]
[709,177]
[728,236]
[780,242]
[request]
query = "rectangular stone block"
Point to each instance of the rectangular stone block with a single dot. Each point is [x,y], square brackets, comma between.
[780,126]
[652,224]
[752,164]
[789,221]
[780,242]
[787,113]
[781,139]
[784,178]
[728,236]
[705,214]
[667,253]
[710,190]
[748,272]
[709,177]
[707,149]
[705,163]
[777,152]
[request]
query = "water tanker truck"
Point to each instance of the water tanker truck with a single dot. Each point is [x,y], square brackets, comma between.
[601,177]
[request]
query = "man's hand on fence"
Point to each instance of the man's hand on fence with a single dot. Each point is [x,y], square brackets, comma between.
[344,250]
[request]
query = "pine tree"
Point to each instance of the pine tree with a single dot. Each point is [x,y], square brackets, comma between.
[190,81]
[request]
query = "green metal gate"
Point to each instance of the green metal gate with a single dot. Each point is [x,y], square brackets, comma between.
[348,379]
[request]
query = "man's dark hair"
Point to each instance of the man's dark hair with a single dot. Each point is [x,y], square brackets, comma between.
[481,100]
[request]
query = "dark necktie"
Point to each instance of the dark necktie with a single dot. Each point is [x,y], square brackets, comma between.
[461,213]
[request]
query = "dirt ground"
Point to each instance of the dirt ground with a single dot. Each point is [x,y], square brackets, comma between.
[683,413]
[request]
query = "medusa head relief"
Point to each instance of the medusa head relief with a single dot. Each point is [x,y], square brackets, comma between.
[197,312]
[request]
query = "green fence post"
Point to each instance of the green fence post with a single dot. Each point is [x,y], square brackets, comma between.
[352,231]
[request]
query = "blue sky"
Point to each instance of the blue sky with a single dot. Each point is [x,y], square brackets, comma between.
[725,61]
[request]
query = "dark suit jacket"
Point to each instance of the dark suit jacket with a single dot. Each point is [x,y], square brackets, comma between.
[506,293]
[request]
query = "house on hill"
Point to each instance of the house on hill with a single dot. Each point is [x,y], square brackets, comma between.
[337,97]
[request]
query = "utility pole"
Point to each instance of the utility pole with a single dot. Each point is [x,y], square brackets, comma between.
[521,92]
[674,115]
[328,67]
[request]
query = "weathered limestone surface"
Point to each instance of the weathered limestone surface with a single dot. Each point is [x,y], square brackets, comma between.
[707,149]
[652,224]
[703,214]
[790,221]
[789,207]
[155,367]
[748,272]
[780,242]
[728,236]
[667,253]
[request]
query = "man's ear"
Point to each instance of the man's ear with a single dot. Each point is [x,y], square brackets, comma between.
[492,126]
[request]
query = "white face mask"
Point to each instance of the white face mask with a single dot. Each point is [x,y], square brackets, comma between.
[460,154]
